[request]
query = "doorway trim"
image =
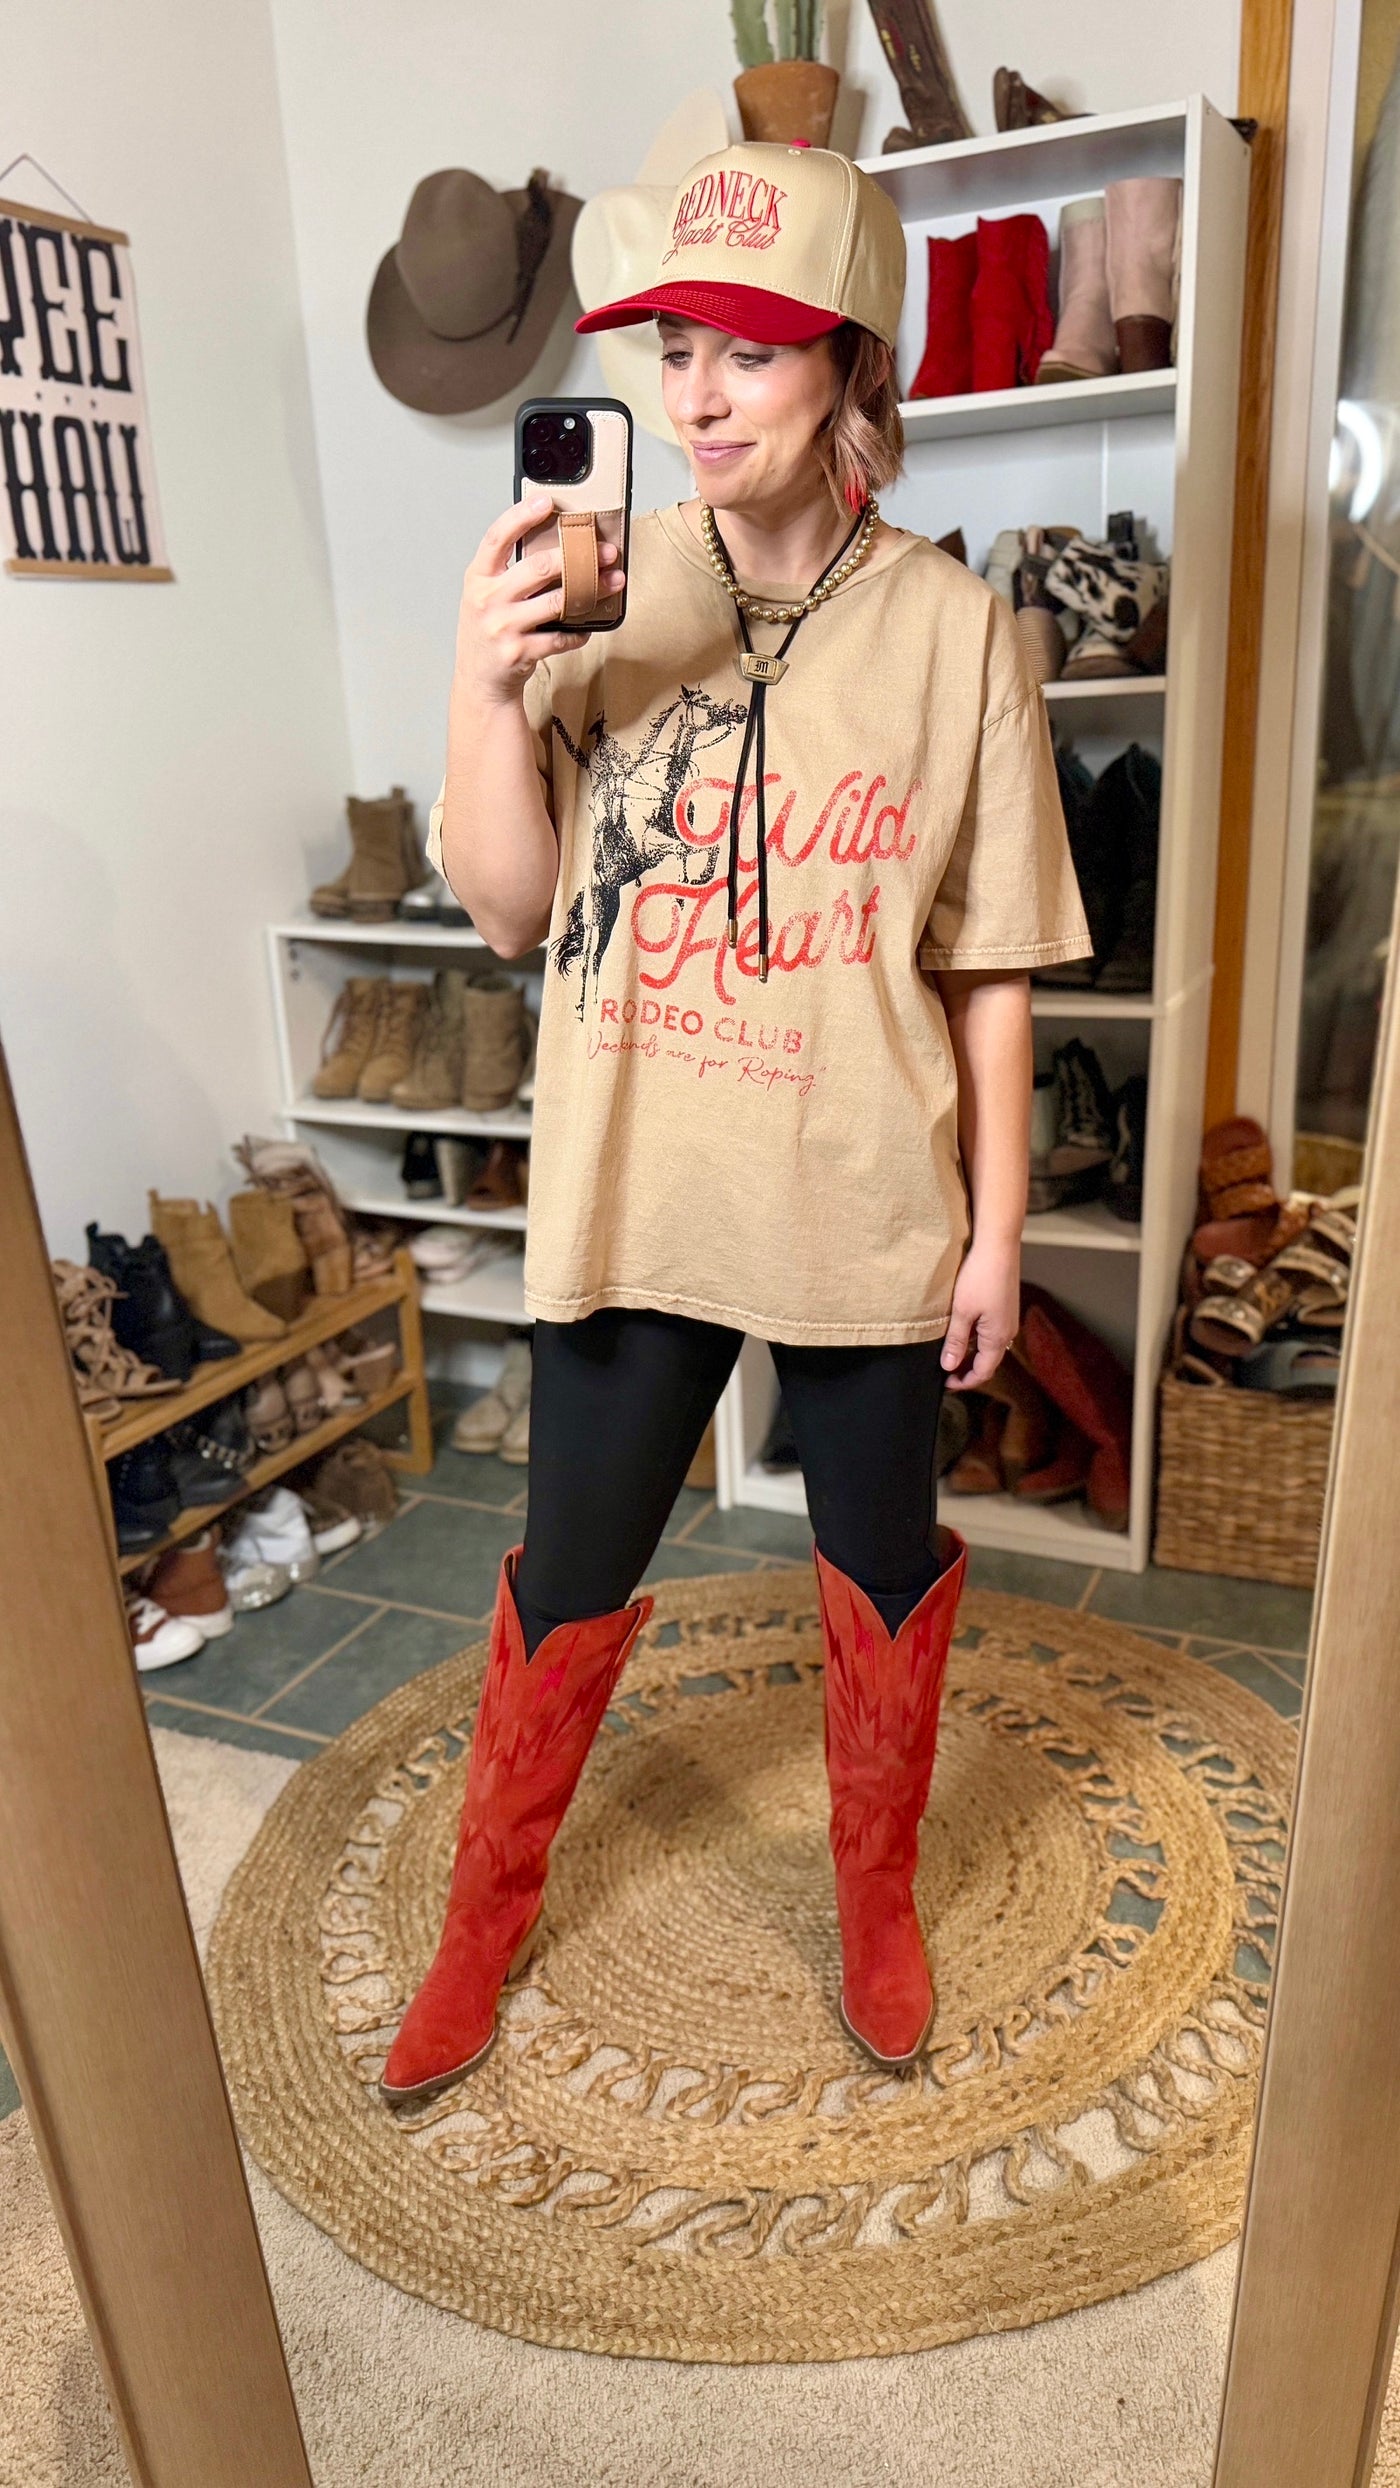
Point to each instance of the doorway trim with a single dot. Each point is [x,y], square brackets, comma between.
[102,2005]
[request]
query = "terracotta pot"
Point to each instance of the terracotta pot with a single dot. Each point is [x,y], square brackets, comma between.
[787,99]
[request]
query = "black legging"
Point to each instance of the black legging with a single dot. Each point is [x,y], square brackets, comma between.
[618,1404]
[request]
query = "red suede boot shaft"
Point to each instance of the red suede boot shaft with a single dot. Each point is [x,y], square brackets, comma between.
[535,1723]
[882,1702]
[946,370]
[1011,323]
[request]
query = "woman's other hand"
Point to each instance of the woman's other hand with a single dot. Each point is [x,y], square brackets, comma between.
[985,1316]
[505,602]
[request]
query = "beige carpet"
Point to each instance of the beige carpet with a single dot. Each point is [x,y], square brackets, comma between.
[403,2395]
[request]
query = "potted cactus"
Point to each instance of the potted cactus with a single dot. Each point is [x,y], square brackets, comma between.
[784,91]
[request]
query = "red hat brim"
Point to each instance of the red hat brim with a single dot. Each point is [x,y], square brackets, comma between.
[740,310]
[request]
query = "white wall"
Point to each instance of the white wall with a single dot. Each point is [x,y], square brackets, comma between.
[174,758]
[372,102]
[169,756]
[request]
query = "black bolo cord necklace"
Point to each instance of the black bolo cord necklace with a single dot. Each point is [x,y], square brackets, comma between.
[761,673]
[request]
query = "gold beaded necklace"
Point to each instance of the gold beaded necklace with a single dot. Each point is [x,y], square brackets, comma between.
[759,606]
[761,672]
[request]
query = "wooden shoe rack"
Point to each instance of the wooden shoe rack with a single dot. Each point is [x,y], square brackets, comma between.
[329,1317]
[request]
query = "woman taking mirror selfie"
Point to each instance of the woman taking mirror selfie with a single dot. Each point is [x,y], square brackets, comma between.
[793,836]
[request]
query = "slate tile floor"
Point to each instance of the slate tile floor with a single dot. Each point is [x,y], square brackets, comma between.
[293,1677]
[290,1679]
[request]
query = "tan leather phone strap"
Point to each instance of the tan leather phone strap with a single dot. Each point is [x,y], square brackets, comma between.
[578,541]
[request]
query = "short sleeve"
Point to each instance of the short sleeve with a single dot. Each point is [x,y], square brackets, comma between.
[1008,897]
[539,704]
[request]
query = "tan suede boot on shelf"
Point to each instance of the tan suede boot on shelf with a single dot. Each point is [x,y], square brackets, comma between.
[401,1017]
[383,862]
[434,1078]
[352,1033]
[496,1043]
[292,1172]
[1085,347]
[201,1265]
[379,868]
[1143,222]
[268,1253]
[106,1374]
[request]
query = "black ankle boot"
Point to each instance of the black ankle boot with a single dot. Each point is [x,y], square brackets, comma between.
[145,1497]
[1127,807]
[150,1316]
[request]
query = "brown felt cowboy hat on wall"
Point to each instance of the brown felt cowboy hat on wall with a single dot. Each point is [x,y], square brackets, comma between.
[461,306]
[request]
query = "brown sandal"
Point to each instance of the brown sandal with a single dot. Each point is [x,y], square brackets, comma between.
[369,1364]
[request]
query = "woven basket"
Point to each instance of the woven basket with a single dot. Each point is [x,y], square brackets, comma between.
[1323,1163]
[1241,1477]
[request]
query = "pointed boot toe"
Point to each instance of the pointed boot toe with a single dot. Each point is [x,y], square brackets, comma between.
[887,1998]
[450,2027]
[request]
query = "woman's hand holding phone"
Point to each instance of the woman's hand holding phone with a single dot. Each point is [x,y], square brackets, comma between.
[508,605]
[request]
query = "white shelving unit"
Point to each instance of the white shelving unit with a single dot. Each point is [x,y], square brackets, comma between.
[1163,445]
[362,1146]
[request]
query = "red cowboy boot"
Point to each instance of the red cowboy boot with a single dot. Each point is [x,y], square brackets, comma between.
[535,1723]
[946,370]
[882,1698]
[1011,323]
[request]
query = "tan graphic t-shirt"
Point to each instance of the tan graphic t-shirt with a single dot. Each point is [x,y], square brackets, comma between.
[781,1157]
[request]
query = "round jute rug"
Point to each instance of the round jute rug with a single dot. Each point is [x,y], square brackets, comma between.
[673,2150]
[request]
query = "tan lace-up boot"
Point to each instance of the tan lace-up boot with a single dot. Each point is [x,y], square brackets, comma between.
[497,1043]
[379,868]
[202,1268]
[351,1034]
[434,1078]
[401,1016]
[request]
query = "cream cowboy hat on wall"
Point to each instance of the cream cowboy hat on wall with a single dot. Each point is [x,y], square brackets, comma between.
[617,243]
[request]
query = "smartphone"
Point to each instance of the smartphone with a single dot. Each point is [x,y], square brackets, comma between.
[579,450]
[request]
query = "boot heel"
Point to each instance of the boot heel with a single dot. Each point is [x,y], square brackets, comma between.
[525,1949]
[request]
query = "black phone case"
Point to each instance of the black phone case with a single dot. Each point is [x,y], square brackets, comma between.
[574,406]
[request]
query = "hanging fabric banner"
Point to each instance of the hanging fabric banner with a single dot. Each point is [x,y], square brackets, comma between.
[79,493]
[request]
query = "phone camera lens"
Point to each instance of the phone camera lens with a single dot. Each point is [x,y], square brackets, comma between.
[556,448]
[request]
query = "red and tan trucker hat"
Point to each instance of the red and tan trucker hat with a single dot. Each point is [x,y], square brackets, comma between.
[780,244]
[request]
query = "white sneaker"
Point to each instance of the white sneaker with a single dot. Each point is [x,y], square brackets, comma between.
[158,1639]
[515,1442]
[482,1427]
[275,1530]
[252,1583]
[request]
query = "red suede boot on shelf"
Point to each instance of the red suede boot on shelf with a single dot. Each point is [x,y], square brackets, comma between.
[534,1725]
[1011,323]
[882,1697]
[946,370]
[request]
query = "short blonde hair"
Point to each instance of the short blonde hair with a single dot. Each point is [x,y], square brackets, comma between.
[861,443]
